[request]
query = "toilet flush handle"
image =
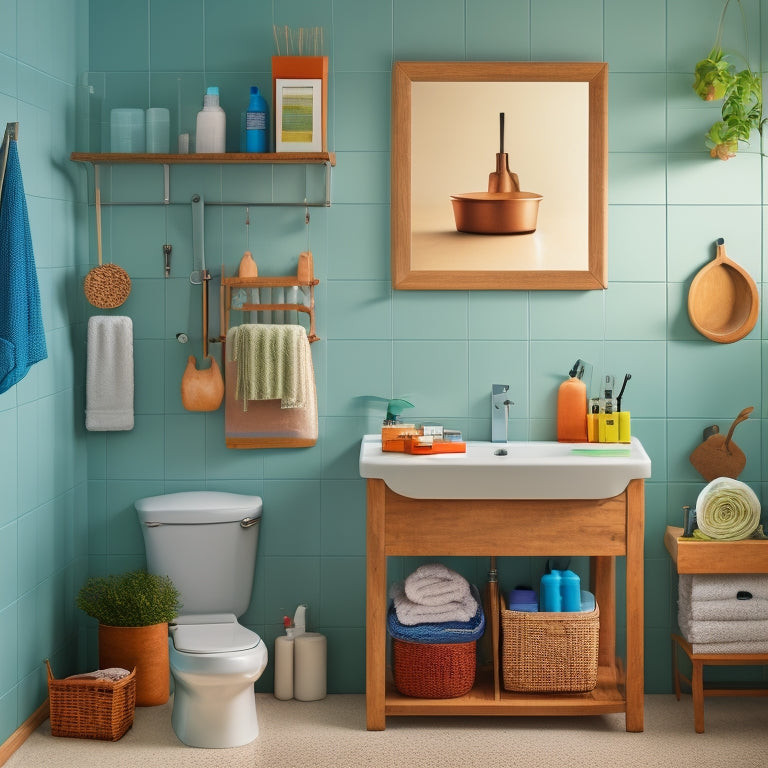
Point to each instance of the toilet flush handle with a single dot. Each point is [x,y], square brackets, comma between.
[248,522]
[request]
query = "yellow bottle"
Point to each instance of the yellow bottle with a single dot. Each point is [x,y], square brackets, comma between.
[572,411]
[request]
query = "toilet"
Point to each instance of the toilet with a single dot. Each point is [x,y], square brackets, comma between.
[206,542]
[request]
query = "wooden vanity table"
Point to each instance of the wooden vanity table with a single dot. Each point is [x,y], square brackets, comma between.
[599,528]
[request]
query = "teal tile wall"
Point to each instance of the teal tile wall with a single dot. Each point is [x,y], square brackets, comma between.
[668,202]
[44,534]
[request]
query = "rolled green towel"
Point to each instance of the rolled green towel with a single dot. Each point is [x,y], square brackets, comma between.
[727,510]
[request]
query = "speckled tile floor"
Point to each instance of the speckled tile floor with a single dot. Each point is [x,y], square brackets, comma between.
[331,733]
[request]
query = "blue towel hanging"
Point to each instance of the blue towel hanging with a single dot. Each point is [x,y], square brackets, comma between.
[22,339]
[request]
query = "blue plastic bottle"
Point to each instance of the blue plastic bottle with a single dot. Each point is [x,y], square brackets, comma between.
[570,591]
[550,598]
[257,123]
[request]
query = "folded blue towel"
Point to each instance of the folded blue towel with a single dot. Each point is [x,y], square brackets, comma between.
[439,632]
[22,339]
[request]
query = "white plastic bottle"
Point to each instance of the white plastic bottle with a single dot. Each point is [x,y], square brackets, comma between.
[211,135]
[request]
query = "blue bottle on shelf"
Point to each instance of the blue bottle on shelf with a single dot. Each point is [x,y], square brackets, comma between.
[257,123]
[570,591]
[560,592]
[550,599]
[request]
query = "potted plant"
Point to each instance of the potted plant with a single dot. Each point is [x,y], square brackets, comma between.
[716,78]
[133,610]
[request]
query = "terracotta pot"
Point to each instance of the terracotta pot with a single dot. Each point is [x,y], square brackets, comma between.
[146,649]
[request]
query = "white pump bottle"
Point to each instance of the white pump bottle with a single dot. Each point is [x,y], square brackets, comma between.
[211,133]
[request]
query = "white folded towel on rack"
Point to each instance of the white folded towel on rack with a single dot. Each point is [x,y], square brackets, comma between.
[722,631]
[724,586]
[109,375]
[741,646]
[732,608]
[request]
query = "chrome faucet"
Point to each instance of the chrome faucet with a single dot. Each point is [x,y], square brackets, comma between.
[499,412]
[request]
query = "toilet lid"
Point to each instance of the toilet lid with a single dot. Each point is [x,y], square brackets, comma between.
[214,638]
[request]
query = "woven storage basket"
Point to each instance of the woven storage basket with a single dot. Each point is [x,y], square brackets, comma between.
[549,652]
[91,709]
[433,670]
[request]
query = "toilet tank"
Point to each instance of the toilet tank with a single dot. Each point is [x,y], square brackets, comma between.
[206,542]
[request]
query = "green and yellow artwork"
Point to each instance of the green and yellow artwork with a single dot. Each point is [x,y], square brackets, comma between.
[297,115]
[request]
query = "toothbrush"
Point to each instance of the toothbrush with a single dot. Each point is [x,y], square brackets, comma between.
[627,377]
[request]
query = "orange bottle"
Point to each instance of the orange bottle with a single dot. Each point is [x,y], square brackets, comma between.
[572,411]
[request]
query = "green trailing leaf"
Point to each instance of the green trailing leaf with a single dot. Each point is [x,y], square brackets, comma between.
[742,110]
[713,76]
[133,599]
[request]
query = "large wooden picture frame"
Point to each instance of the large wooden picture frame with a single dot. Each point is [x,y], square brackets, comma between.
[445,140]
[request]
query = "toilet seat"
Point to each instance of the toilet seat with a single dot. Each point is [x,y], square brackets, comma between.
[225,635]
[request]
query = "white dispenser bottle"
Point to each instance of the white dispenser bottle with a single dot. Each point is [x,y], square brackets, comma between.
[211,134]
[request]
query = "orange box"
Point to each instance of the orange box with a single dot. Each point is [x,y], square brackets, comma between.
[438,446]
[394,431]
[303,68]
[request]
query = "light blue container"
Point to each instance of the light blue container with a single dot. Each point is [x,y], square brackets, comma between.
[588,603]
[127,130]
[158,125]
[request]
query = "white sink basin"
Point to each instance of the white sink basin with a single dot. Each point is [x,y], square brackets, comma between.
[535,470]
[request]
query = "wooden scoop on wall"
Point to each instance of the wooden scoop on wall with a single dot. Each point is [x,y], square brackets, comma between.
[719,456]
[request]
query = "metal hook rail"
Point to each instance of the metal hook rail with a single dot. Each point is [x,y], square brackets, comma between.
[327,159]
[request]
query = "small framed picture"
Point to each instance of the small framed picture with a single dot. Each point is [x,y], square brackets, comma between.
[298,116]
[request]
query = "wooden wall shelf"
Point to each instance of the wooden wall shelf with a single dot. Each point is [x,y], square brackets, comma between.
[228,158]
[327,159]
[692,556]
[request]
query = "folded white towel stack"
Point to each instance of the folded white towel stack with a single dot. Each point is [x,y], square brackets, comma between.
[109,376]
[744,646]
[433,594]
[724,586]
[434,584]
[723,611]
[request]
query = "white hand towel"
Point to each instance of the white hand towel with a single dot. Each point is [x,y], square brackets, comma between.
[109,376]
[435,584]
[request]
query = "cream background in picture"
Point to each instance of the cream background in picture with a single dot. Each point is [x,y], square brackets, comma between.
[547,140]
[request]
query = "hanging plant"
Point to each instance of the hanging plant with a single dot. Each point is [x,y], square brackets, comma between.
[716,78]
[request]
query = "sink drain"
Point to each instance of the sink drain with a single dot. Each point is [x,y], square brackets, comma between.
[500,452]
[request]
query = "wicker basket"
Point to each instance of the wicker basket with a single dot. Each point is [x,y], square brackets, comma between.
[433,670]
[91,709]
[549,652]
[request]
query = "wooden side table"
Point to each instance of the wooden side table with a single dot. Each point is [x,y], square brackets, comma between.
[691,556]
